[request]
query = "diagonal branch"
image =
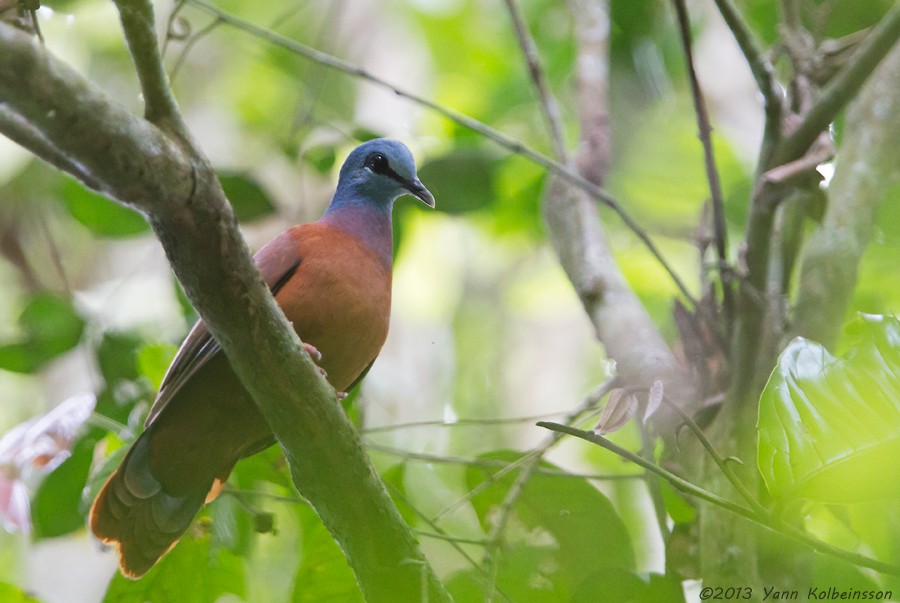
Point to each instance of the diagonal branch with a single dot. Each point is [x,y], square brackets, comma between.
[133,161]
[712,173]
[576,232]
[25,135]
[549,105]
[761,519]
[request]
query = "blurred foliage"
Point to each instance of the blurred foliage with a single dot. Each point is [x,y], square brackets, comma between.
[50,326]
[500,333]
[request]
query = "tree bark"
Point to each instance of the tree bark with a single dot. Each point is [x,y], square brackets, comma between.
[154,168]
[866,174]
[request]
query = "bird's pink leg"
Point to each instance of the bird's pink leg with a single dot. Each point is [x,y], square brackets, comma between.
[315,353]
[317,357]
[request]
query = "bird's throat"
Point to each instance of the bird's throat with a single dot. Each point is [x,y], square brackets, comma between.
[369,223]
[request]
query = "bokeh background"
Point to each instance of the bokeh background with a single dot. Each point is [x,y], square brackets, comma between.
[486,333]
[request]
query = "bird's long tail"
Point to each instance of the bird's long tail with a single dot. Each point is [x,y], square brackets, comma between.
[134,512]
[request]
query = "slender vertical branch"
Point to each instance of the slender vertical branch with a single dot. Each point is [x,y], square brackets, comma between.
[720,231]
[549,105]
[139,25]
[762,71]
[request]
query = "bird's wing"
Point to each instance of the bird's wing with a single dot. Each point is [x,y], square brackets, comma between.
[277,262]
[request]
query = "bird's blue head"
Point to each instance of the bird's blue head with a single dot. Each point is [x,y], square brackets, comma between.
[377,172]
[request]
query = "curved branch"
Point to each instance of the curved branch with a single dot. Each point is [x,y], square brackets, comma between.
[135,162]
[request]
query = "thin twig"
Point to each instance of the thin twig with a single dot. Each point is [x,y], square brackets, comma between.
[720,230]
[717,458]
[398,494]
[763,519]
[194,38]
[529,469]
[465,121]
[160,107]
[488,463]
[760,67]
[460,423]
[483,485]
[549,105]
[678,482]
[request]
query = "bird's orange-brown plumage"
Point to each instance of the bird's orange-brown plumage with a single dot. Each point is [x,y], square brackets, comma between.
[332,279]
[204,420]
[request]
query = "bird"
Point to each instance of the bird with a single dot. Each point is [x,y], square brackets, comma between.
[332,279]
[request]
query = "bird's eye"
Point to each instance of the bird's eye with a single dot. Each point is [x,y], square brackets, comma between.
[378,163]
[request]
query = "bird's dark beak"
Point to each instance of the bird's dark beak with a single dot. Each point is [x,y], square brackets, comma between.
[418,190]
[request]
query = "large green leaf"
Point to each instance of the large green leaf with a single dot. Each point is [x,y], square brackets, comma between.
[461,181]
[195,570]
[57,507]
[98,213]
[829,428]
[564,531]
[247,196]
[50,327]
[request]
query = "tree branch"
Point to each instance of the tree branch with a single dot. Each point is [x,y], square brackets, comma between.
[620,321]
[25,135]
[865,175]
[762,72]
[509,143]
[139,25]
[136,163]
[549,106]
[712,173]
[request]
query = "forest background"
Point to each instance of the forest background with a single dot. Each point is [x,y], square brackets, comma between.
[589,248]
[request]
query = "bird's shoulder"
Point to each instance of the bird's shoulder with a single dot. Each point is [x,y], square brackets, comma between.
[300,264]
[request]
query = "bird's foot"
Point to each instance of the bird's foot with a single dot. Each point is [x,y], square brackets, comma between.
[342,395]
[313,351]
[316,356]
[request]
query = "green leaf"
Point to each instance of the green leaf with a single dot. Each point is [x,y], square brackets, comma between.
[323,575]
[153,361]
[11,594]
[395,479]
[829,428]
[461,181]
[101,215]
[625,587]
[676,506]
[246,195]
[321,158]
[50,328]
[195,570]
[566,529]
[57,507]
